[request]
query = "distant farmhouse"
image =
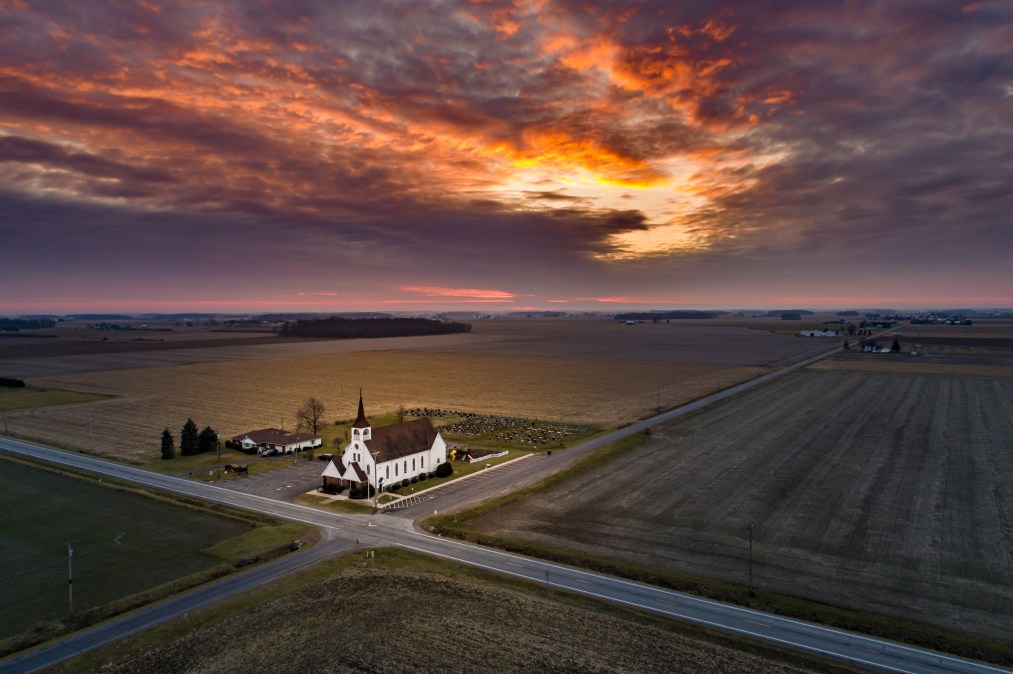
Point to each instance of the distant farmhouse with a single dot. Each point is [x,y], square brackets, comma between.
[383,456]
[275,438]
[818,333]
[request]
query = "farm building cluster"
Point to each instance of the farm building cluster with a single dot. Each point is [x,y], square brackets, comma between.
[275,441]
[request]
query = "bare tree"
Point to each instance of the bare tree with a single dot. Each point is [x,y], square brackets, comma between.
[310,414]
[401,411]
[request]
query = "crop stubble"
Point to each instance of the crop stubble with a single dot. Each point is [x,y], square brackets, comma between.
[234,397]
[386,621]
[881,492]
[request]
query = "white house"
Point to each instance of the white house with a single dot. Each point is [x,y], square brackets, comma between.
[275,438]
[817,333]
[382,456]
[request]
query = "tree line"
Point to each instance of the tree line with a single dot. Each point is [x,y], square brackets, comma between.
[348,328]
[190,441]
[665,315]
[15,324]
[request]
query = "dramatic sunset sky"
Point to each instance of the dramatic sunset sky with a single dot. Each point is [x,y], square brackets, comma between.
[314,156]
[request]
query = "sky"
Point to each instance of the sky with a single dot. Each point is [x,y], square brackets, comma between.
[319,156]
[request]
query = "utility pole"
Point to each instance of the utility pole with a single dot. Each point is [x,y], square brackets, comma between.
[218,451]
[751,560]
[91,435]
[70,578]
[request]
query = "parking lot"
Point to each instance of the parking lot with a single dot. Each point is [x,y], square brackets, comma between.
[284,484]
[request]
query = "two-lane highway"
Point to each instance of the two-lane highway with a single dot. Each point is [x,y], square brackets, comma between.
[340,532]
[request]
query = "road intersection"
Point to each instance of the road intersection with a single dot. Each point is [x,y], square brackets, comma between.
[341,531]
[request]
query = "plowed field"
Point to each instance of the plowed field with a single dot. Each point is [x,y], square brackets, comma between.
[882,492]
[390,621]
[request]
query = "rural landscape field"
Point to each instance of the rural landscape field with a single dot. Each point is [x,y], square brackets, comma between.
[123,543]
[881,492]
[438,620]
[581,371]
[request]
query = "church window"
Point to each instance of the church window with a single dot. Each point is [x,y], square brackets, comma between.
[422,461]
[387,477]
[413,463]
[395,470]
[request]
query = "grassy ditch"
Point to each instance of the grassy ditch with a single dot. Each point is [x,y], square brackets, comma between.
[461,525]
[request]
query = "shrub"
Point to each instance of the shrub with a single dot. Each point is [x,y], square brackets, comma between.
[415,478]
[444,469]
[405,482]
[422,477]
[432,475]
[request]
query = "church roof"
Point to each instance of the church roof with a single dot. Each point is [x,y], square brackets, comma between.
[357,473]
[360,420]
[397,440]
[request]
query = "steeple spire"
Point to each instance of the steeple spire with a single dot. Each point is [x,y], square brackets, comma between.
[360,420]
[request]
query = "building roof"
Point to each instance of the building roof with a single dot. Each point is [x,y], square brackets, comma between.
[275,436]
[397,440]
[356,470]
[360,420]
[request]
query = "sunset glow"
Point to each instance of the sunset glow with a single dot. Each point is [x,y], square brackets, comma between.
[165,154]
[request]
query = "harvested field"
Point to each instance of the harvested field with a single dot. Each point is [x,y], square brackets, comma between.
[433,623]
[885,493]
[154,354]
[570,339]
[598,339]
[234,397]
[908,365]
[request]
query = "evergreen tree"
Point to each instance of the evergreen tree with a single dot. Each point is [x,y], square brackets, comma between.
[188,438]
[896,345]
[207,441]
[168,445]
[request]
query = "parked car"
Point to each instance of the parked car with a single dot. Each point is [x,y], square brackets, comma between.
[325,457]
[270,452]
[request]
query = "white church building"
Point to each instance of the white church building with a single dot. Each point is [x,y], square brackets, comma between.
[382,456]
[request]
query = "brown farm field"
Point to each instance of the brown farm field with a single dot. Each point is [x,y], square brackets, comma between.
[578,370]
[234,397]
[880,492]
[380,618]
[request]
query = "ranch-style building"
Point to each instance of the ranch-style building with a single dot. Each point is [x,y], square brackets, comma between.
[382,456]
[275,438]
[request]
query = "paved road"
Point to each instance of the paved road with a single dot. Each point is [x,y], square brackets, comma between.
[341,532]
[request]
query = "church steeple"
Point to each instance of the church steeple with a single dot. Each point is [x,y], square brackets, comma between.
[361,430]
[361,421]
